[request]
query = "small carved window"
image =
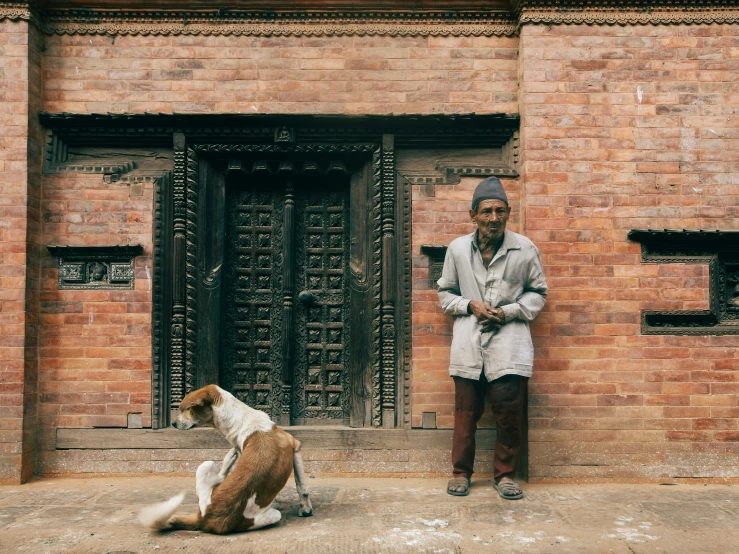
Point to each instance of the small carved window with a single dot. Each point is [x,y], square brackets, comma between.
[96,267]
[436,255]
[720,249]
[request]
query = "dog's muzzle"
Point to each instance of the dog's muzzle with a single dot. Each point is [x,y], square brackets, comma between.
[183,425]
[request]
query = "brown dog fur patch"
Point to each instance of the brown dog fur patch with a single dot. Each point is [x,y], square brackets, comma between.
[207,396]
[264,466]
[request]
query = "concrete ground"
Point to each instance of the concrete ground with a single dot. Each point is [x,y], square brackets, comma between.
[381,515]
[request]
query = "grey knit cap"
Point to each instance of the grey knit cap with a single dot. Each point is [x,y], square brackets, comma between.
[489,189]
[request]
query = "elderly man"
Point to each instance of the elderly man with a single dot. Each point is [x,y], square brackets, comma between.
[493,284]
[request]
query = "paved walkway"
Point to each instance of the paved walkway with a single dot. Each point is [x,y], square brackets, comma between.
[382,515]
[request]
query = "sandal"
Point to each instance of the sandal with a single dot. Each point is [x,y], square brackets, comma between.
[462,484]
[508,489]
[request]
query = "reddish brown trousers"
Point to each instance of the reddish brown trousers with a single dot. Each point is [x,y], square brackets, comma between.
[507,395]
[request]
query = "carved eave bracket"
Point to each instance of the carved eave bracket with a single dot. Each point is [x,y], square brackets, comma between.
[720,250]
[96,267]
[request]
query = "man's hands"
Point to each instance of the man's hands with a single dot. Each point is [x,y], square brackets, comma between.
[491,319]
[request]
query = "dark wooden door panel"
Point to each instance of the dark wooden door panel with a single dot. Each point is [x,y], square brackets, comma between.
[252,337]
[264,327]
[322,362]
[210,216]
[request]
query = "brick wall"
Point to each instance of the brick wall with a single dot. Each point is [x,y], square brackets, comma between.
[623,127]
[628,128]
[329,75]
[437,220]
[19,192]
[33,257]
[95,345]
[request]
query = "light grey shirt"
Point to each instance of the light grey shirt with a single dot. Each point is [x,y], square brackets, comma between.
[514,281]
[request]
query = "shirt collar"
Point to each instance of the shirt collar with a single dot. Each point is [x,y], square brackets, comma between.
[509,242]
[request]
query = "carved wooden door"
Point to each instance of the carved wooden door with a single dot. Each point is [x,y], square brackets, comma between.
[285,340]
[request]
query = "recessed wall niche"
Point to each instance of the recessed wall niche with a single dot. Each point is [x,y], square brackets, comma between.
[96,267]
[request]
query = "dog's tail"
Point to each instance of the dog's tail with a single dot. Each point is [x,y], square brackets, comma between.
[159,516]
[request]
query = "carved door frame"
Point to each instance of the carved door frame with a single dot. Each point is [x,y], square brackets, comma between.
[189,355]
[175,209]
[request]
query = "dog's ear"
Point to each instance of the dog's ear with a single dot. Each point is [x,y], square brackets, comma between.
[194,401]
[207,396]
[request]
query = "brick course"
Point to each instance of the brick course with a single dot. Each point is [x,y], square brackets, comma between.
[240,74]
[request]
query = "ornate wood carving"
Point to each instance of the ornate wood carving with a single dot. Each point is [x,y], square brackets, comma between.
[309,252]
[278,23]
[602,16]
[388,282]
[446,166]
[376,287]
[463,21]
[191,269]
[15,11]
[286,149]
[720,249]
[625,12]
[403,297]
[96,267]
[323,327]
[253,309]
[489,131]
[179,227]
[251,139]
[161,317]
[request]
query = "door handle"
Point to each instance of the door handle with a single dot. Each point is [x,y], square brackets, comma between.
[306,299]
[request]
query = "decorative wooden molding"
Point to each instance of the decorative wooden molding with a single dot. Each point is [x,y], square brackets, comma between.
[376,286]
[720,250]
[389,338]
[161,296]
[15,11]
[403,300]
[410,131]
[179,227]
[456,21]
[624,12]
[96,267]
[245,158]
[191,268]
[281,23]
[617,17]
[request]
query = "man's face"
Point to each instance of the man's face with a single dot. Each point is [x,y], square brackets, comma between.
[491,218]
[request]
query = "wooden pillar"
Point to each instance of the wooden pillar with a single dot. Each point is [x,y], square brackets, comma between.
[388,358]
[288,303]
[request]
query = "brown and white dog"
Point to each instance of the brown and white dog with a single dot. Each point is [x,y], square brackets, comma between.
[239,500]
